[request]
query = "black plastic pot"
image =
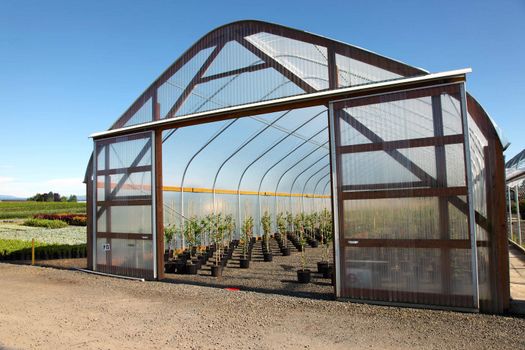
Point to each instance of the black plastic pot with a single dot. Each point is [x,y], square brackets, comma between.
[303,276]
[169,267]
[244,263]
[268,257]
[285,251]
[328,273]
[216,270]
[313,243]
[191,269]
[322,266]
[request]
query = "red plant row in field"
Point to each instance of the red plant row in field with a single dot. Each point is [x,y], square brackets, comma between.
[70,219]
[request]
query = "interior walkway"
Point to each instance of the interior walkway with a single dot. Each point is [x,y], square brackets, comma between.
[517,273]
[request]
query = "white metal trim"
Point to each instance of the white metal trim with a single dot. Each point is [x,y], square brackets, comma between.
[154,204]
[335,205]
[283,101]
[94,206]
[472,220]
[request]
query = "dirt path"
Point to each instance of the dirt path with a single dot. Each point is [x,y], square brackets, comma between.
[42,308]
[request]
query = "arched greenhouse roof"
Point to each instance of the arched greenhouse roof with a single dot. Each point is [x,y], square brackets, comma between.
[253,61]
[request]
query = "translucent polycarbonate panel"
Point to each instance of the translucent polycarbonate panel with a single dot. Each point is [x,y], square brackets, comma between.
[407,218]
[376,168]
[232,56]
[306,60]
[460,272]
[101,220]
[224,92]
[101,157]
[170,91]
[455,164]
[484,274]
[133,184]
[451,112]
[398,274]
[143,115]
[477,143]
[101,253]
[397,120]
[132,254]
[127,153]
[353,72]
[124,206]
[380,167]
[131,219]
[101,188]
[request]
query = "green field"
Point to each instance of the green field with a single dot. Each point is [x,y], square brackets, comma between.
[23,210]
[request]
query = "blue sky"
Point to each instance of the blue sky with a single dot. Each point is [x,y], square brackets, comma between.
[70,68]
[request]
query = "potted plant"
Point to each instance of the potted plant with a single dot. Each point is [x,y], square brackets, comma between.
[247,231]
[303,275]
[266,222]
[217,233]
[169,233]
[281,226]
[325,229]
[192,234]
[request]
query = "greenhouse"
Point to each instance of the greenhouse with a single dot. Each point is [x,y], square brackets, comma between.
[263,133]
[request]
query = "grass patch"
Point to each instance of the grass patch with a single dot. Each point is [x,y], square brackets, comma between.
[53,224]
[13,249]
[23,210]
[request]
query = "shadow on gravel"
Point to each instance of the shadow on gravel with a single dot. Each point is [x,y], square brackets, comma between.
[287,292]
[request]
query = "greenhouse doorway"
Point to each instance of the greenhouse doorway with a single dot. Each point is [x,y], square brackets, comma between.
[251,197]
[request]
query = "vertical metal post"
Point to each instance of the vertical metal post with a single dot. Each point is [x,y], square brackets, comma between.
[335,199]
[94,205]
[518,213]
[470,196]
[510,213]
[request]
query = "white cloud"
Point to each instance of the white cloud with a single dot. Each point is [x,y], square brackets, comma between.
[65,186]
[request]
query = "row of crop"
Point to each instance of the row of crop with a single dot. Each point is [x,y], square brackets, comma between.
[22,210]
[70,219]
[21,250]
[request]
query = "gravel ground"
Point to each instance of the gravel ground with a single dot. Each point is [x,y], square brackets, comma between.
[278,276]
[43,308]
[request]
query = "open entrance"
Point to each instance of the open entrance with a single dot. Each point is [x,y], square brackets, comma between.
[250,198]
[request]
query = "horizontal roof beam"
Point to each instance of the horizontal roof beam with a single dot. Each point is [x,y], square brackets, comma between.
[299,101]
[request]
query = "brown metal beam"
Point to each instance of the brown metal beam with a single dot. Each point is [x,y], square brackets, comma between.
[410,143]
[193,82]
[405,193]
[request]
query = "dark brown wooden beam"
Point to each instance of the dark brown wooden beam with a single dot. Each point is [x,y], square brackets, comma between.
[248,69]
[409,243]
[193,82]
[277,66]
[137,169]
[411,143]
[384,186]
[123,203]
[123,235]
[406,193]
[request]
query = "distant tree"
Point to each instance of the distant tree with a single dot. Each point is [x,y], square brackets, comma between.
[72,198]
[48,197]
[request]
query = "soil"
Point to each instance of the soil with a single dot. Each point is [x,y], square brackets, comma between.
[47,308]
